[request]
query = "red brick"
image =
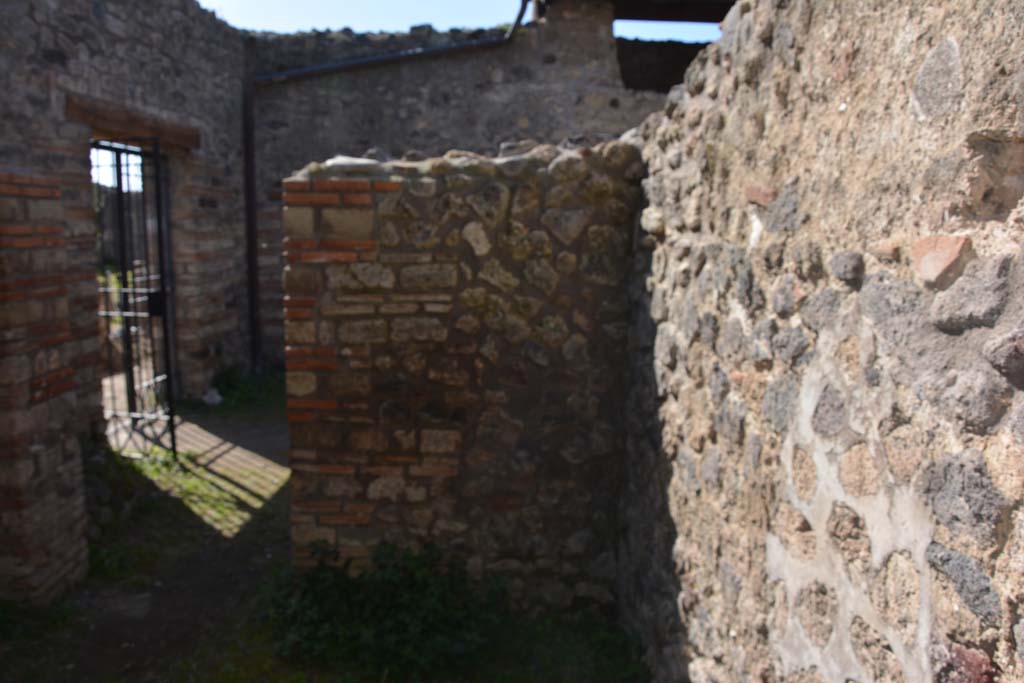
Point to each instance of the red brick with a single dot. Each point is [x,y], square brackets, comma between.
[52,377]
[324,469]
[317,505]
[400,459]
[32,191]
[357,199]
[295,185]
[56,340]
[306,351]
[387,185]
[346,520]
[329,257]
[301,417]
[295,243]
[312,364]
[940,259]
[16,179]
[22,242]
[300,302]
[341,185]
[312,403]
[383,471]
[311,199]
[759,194]
[435,471]
[16,230]
[349,245]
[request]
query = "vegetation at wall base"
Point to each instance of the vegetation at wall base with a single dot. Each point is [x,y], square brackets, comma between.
[244,391]
[414,618]
[408,616]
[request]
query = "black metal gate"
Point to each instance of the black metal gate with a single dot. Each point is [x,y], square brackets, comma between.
[135,301]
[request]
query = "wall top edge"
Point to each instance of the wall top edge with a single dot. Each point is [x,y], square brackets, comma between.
[620,155]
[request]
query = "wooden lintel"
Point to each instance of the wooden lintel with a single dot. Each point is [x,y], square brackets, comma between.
[111,121]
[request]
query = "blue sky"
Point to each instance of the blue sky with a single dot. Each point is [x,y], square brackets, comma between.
[398,15]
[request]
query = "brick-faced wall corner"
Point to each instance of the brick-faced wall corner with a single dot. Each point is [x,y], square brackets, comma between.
[455,336]
[48,361]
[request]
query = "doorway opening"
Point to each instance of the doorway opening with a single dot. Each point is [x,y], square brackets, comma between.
[135,292]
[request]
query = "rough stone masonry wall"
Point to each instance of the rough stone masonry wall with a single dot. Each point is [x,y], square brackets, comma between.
[557,79]
[826,420]
[455,334]
[171,61]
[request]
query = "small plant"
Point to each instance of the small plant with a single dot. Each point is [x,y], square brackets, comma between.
[411,615]
[241,390]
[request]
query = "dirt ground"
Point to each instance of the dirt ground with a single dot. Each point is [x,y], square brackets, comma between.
[177,575]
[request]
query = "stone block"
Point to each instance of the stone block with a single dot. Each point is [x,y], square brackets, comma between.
[962,496]
[804,474]
[829,417]
[972,583]
[300,280]
[848,266]
[938,87]
[976,299]
[476,236]
[895,593]
[846,529]
[298,221]
[440,440]
[875,653]
[299,332]
[363,332]
[300,383]
[347,223]
[1006,354]
[430,276]
[816,608]
[860,473]
[418,329]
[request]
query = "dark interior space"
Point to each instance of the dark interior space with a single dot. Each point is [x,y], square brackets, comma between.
[654,65]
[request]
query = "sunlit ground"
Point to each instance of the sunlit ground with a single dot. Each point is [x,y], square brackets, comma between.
[221,482]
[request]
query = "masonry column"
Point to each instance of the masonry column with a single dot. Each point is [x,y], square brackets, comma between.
[42,374]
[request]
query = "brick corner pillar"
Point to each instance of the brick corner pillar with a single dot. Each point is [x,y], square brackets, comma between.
[332,334]
[44,401]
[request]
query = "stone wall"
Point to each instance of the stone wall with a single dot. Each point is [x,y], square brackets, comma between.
[826,422]
[455,335]
[165,62]
[559,78]
[115,69]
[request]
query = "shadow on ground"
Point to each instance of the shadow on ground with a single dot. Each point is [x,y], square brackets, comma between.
[184,567]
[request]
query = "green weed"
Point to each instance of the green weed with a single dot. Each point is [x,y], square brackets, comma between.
[407,617]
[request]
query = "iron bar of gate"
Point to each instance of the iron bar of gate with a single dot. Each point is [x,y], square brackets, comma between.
[163,251]
[122,304]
